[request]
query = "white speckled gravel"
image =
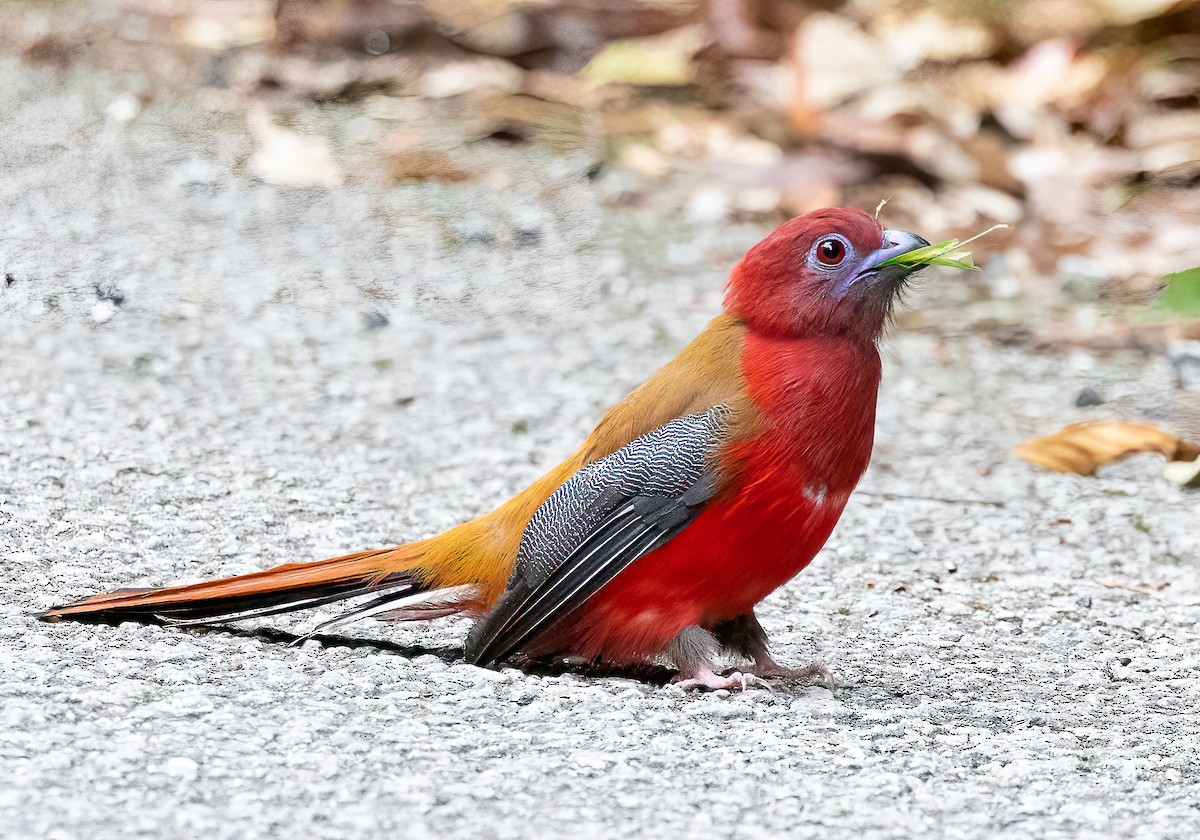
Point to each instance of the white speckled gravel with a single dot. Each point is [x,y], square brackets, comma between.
[203,375]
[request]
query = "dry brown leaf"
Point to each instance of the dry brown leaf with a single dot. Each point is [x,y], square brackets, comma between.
[49,51]
[1082,448]
[424,165]
[1140,588]
[1183,473]
[410,157]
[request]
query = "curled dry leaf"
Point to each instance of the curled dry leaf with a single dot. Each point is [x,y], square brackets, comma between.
[1082,448]
[1183,473]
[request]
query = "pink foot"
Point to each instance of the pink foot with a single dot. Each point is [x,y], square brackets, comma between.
[706,680]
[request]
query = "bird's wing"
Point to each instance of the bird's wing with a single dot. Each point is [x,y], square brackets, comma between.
[599,521]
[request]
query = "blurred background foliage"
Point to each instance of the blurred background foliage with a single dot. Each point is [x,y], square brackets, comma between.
[1076,122]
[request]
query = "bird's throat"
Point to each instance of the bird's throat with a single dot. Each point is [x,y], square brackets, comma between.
[815,400]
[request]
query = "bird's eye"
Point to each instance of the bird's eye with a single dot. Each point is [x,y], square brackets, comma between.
[831,251]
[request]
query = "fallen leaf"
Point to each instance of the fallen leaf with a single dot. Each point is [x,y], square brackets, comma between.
[222,24]
[657,60]
[1140,588]
[405,163]
[49,51]
[835,60]
[913,36]
[486,26]
[1183,473]
[455,78]
[559,126]
[1082,448]
[1183,292]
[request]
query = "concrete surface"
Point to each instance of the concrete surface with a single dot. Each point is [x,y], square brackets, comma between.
[201,374]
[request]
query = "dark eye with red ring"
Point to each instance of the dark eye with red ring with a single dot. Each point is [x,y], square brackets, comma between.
[831,251]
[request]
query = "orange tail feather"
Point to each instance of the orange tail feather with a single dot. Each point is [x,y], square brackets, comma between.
[479,552]
[281,589]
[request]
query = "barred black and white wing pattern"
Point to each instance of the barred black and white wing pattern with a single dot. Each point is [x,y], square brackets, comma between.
[604,517]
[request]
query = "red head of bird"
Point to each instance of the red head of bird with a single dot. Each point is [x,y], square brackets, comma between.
[819,275]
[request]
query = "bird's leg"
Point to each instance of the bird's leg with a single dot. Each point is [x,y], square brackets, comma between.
[744,636]
[695,651]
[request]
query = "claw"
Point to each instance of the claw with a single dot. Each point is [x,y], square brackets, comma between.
[708,681]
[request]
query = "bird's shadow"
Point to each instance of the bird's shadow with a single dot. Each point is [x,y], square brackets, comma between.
[548,667]
[450,655]
[651,674]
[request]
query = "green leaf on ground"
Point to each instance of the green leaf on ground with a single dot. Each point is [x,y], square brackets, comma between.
[663,60]
[1183,292]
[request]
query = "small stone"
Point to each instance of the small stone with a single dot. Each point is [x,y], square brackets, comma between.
[184,769]
[1088,397]
[1185,359]
[123,109]
[103,311]
[522,695]
[375,321]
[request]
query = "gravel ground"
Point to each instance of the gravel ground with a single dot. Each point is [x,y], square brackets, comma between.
[201,374]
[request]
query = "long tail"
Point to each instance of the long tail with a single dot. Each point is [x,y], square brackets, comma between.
[295,586]
[463,569]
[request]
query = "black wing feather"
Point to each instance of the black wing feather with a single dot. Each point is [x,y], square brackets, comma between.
[598,523]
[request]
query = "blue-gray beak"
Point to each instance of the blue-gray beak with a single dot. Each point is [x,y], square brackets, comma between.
[895,243]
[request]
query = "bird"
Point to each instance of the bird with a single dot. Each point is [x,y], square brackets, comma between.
[704,490]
